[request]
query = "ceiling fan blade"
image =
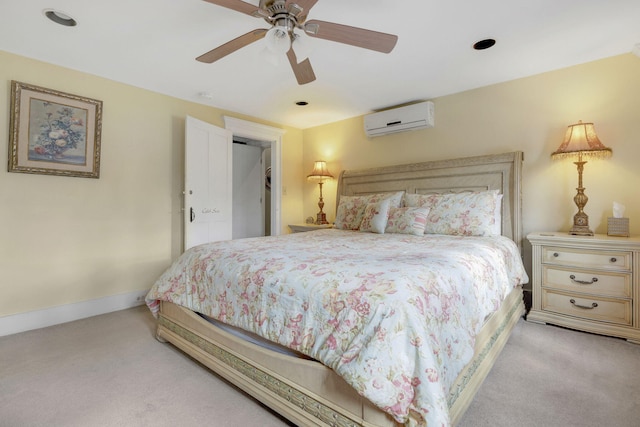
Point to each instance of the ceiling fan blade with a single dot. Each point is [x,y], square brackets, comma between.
[240,6]
[368,39]
[303,70]
[232,46]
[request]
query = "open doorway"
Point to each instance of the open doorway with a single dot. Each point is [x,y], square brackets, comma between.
[251,188]
[269,140]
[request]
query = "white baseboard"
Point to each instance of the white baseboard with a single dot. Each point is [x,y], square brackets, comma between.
[22,322]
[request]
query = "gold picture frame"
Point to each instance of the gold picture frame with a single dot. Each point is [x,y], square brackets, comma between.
[54,133]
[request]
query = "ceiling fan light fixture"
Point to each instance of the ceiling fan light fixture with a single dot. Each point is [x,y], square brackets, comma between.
[301,47]
[272,57]
[278,39]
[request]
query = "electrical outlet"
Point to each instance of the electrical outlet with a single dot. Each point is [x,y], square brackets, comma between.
[141,296]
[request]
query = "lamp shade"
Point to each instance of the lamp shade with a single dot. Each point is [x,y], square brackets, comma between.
[320,171]
[581,140]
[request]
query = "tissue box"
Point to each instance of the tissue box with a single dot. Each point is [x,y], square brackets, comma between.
[618,227]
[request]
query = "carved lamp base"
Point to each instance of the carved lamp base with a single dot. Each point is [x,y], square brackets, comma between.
[581,230]
[321,218]
[580,219]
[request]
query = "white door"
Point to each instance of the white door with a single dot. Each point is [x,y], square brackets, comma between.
[208,183]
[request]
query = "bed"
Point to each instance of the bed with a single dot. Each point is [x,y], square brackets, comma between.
[434,368]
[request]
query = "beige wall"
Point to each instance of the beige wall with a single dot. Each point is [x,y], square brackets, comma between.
[65,240]
[530,115]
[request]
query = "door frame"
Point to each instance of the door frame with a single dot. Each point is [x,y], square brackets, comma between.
[247,129]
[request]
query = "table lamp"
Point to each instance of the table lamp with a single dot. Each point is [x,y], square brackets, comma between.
[321,174]
[580,142]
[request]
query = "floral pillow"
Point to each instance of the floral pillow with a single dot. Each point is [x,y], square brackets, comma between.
[468,213]
[351,208]
[407,220]
[375,217]
[420,200]
[395,199]
[497,217]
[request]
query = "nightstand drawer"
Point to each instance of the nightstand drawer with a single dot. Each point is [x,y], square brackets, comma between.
[601,309]
[607,283]
[610,260]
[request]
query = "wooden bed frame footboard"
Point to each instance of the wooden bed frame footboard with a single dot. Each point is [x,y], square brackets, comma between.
[307,392]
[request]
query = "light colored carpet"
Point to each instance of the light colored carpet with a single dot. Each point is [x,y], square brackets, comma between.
[110,371]
[551,376]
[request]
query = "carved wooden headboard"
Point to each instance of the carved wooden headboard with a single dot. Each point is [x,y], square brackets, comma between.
[494,172]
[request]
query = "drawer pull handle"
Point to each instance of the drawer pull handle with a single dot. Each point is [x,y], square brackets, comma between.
[613,259]
[593,305]
[583,282]
[556,254]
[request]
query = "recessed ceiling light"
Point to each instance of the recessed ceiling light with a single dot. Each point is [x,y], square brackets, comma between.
[60,18]
[302,103]
[484,44]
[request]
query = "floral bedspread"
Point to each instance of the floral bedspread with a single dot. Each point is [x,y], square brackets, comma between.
[395,315]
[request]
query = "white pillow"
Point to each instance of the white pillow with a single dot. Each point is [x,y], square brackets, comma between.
[375,217]
[351,208]
[407,220]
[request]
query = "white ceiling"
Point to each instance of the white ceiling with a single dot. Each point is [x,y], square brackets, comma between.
[153,44]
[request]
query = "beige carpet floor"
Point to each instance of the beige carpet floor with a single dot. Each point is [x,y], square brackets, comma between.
[110,371]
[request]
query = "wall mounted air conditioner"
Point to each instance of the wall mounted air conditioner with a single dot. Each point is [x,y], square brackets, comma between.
[402,119]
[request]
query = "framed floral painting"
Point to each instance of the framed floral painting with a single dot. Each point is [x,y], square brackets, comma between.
[54,133]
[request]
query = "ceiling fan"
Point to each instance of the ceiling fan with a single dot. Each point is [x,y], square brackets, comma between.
[285,16]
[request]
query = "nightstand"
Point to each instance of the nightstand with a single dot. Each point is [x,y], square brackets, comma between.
[589,283]
[299,228]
